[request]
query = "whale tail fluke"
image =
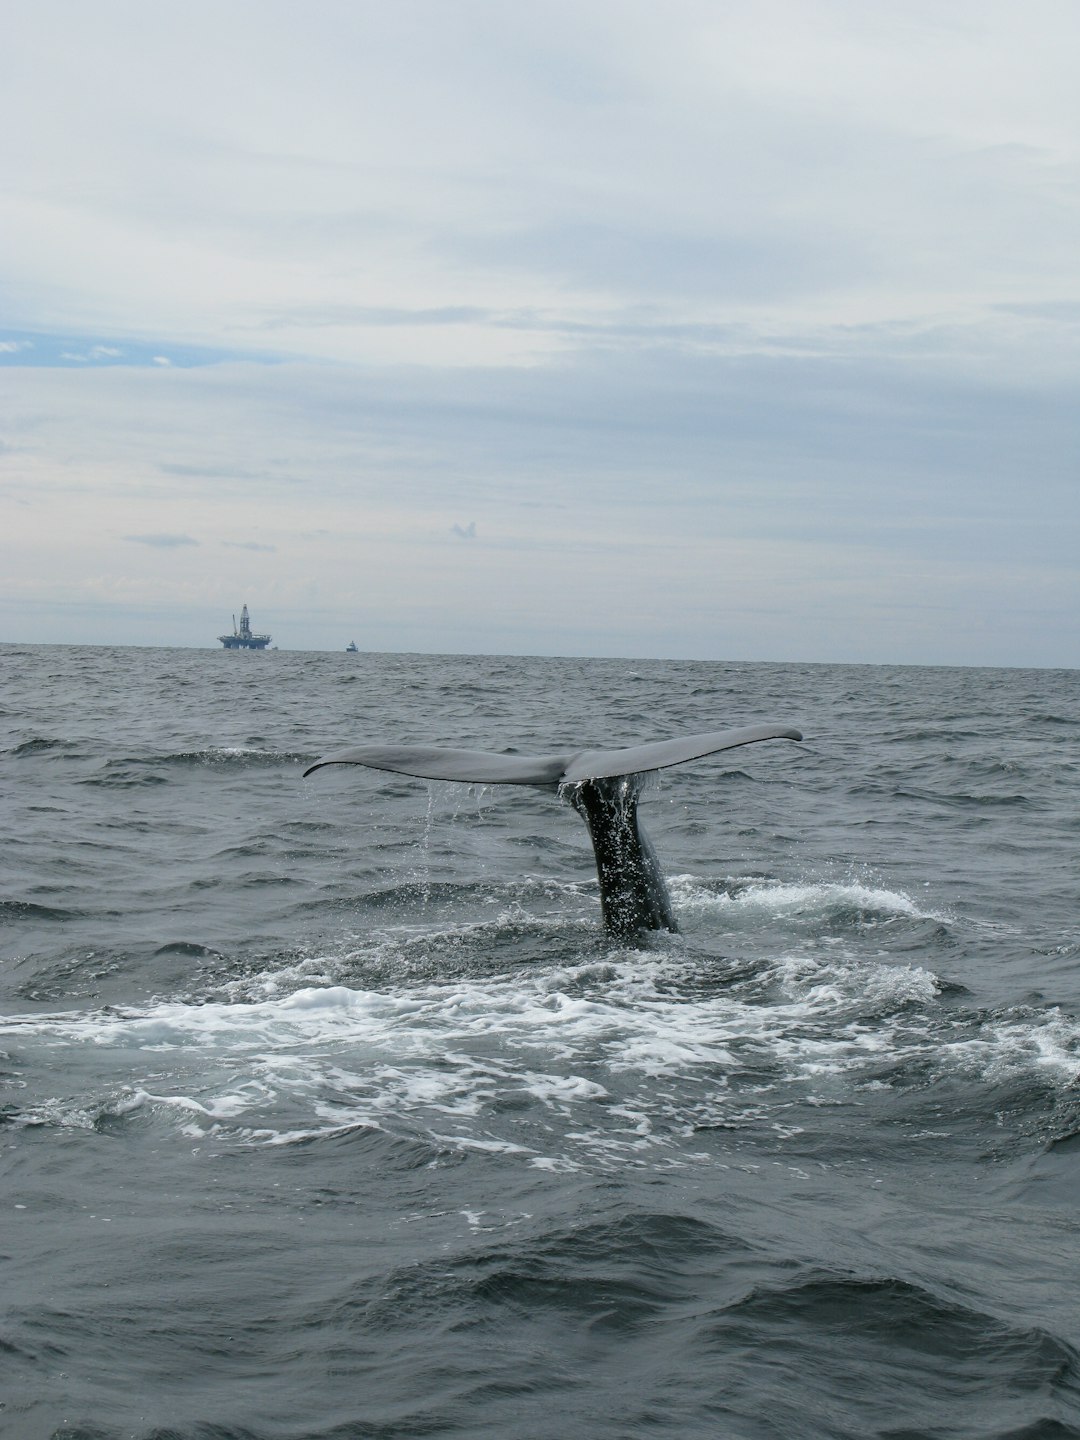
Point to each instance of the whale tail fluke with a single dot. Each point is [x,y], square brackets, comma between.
[602,785]
[488,767]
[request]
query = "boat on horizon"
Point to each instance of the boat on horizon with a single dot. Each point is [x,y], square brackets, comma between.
[352,648]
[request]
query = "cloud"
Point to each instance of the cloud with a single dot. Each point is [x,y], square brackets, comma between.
[94,353]
[162,542]
[747,265]
[713,164]
[376,316]
[740,326]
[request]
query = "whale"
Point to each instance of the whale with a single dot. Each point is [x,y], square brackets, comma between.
[603,786]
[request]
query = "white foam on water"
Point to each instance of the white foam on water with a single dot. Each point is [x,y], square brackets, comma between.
[1048,1045]
[598,1063]
[836,985]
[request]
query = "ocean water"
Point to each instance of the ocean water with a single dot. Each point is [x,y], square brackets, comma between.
[330,1111]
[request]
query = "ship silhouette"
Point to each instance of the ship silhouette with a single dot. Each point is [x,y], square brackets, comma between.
[244,638]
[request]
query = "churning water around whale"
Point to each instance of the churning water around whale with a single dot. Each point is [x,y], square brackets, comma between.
[330,1110]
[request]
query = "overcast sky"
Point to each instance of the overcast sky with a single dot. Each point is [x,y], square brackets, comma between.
[697,328]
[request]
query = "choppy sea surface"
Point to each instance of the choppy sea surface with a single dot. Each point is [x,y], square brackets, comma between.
[330,1111]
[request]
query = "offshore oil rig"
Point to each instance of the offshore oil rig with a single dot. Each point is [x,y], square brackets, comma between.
[244,639]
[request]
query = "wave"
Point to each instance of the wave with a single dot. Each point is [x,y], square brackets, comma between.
[964,799]
[867,1346]
[238,755]
[613,1276]
[851,903]
[41,745]
[133,770]
[29,910]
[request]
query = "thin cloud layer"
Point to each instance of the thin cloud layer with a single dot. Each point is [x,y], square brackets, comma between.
[740,332]
[161,542]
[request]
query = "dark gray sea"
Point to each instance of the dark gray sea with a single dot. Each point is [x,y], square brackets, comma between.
[329,1111]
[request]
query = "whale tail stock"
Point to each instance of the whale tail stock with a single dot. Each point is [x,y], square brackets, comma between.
[603,786]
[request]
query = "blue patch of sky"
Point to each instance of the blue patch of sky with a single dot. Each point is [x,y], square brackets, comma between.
[73,352]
